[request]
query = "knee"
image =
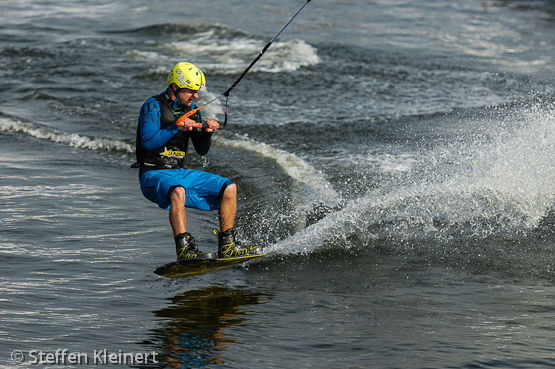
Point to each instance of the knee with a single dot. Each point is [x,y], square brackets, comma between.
[178,195]
[230,191]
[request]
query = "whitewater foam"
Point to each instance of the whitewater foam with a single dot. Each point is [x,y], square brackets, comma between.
[231,56]
[69,139]
[292,164]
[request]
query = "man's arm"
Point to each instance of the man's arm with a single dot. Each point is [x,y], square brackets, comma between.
[151,134]
[201,141]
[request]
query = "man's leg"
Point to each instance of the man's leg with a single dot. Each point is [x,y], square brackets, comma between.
[184,243]
[227,245]
[178,218]
[228,208]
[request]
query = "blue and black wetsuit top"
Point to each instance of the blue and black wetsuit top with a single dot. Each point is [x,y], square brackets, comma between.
[160,143]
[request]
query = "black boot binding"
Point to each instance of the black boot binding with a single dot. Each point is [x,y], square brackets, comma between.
[187,249]
[228,247]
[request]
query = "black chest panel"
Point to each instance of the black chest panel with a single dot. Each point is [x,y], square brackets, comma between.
[172,154]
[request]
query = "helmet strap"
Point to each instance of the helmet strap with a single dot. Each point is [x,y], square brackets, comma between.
[175,92]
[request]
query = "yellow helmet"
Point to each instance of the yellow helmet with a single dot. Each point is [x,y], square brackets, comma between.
[187,75]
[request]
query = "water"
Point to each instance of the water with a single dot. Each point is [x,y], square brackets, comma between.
[395,157]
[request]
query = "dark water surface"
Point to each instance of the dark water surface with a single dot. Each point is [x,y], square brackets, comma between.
[396,158]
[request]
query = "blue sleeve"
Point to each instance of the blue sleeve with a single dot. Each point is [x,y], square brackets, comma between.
[152,136]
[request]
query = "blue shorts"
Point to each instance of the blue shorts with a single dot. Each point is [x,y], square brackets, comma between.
[202,190]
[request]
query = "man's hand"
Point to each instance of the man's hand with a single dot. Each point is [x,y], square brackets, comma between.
[212,125]
[187,124]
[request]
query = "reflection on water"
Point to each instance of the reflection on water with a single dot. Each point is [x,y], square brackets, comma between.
[192,331]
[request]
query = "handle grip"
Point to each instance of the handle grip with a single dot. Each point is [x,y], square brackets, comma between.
[187,115]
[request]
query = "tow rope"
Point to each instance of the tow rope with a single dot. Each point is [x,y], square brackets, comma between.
[228,91]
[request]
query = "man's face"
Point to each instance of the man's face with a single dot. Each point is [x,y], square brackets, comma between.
[186,96]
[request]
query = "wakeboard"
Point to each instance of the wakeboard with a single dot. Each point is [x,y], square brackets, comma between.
[186,268]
